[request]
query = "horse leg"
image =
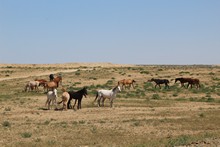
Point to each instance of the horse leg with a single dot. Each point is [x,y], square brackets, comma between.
[132,85]
[111,102]
[49,104]
[68,104]
[98,101]
[79,103]
[103,100]
[75,103]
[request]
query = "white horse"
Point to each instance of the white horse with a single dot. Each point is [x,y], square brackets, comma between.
[51,96]
[32,85]
[110,94]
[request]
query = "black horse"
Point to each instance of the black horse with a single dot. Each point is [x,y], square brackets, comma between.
[51,76]
[77,96]
[160,81]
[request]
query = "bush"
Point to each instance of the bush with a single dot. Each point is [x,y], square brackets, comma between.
[26,135]
[6,124]
[156,97]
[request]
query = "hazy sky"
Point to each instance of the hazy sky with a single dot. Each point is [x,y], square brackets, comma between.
[116,31]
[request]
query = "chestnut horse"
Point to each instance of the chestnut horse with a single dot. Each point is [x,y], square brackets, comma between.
[126,82]
[42,82]
[54,84]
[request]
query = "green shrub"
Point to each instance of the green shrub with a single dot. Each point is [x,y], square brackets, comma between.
[156,97]
[6,124]
[26,135]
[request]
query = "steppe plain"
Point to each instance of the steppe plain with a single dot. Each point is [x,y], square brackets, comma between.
[143,116]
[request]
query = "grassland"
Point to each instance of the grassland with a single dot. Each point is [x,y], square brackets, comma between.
[143,116]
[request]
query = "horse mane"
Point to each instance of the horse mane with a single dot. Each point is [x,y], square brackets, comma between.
[114,88]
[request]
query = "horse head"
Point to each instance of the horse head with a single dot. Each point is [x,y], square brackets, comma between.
[85,91]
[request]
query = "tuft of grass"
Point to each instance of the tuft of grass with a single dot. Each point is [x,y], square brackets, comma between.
[6,124]
[8,109]
[156,97]
[26,135]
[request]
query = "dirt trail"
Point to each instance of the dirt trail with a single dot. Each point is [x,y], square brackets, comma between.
[39,74]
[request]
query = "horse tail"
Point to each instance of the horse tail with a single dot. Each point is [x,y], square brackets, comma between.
[60,102]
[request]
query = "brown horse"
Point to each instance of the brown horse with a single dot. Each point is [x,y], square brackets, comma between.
[182,81]
[42,82]
[190,82]
[54,84]
[126,82]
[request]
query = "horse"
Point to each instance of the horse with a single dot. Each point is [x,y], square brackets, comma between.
[54,84]
[42,82]
[110,94]
[31,85]
[190,82]
[160,81]
[51,77]
[124,82]
[51,96]
[182,81]
[65,99]
[77,96]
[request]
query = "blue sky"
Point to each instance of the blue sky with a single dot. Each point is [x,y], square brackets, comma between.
[116,31]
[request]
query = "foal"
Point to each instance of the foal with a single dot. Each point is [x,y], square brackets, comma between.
[77,96]
[51,96]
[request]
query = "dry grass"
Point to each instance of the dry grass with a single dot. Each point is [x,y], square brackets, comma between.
[143,116]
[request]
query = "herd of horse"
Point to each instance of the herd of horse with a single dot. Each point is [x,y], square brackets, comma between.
[67,96]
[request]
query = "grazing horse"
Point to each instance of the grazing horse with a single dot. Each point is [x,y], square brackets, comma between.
[42,82]
[160,81]
[54,84]
[32,85]
[192,82]
[65,99]
[125,82]
[77,96]
[51,96]
[110,94]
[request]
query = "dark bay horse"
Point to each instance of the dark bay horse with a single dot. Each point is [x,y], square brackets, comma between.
[160,81]
[182,81]
[77,96]
[190,82]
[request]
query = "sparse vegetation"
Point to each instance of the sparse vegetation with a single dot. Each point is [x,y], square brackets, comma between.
[143,116]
